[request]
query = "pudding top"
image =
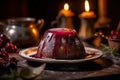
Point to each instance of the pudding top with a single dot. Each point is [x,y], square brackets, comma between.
[61,31]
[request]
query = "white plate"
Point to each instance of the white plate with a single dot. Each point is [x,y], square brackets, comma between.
[25,53]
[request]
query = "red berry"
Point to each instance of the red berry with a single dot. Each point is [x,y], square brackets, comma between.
[4,55]
[10,48]
[113,32]
[4,37]
[3,40]
[115,35]
[6,47]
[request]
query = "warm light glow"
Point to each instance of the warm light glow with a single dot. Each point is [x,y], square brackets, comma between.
[34,31]
[66,6]
[87,8]
[12,31]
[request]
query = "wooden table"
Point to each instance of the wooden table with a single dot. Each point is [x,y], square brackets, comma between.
[101,68]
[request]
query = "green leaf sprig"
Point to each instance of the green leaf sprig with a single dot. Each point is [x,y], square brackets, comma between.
[107,49]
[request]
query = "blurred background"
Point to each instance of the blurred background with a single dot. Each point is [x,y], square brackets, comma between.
[48,10]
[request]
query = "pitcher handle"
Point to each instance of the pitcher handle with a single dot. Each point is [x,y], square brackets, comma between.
[40,24]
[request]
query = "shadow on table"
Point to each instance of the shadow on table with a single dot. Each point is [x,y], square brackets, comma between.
[107,77]
[94,65]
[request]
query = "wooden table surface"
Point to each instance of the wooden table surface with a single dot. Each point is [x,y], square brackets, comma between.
[101,68]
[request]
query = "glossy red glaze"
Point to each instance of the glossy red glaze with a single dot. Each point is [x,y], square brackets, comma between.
[60,43]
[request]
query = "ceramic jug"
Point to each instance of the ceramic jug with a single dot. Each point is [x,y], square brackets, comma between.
[24,32]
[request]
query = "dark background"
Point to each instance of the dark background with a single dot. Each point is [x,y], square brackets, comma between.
[48,10]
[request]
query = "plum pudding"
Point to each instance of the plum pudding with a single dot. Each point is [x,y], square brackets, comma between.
[60,43]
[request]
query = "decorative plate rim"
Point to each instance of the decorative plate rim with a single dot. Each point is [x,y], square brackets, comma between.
[23,53]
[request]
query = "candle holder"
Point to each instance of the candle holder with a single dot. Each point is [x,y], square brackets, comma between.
[86,30]
[102,25]
[64,18]
[118,27]
[103,21]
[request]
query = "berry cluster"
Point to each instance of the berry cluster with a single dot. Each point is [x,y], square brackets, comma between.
[6,44]
[115,35]
[7,47]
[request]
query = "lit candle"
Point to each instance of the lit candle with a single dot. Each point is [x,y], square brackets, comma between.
[87,26]
[64,17]
[66,11]
[66,6]
[87,13]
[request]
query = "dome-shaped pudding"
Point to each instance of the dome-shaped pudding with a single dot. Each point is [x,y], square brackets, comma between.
[60,43]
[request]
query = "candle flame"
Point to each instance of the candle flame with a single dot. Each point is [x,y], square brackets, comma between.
[66,6]
[87,8]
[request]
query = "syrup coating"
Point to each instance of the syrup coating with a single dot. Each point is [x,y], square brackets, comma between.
[60,43]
